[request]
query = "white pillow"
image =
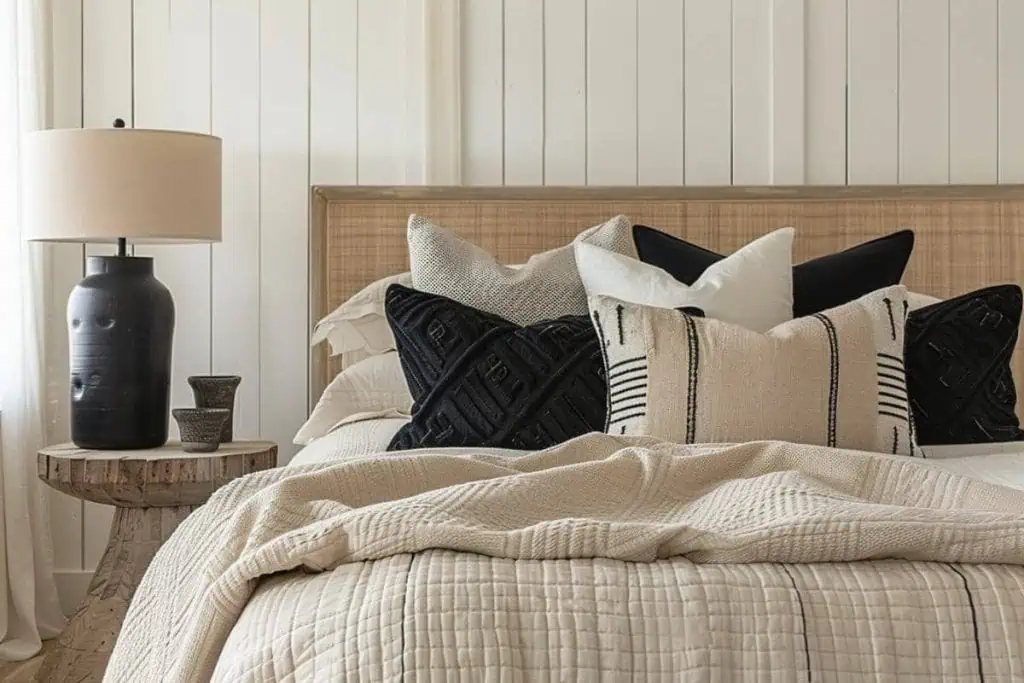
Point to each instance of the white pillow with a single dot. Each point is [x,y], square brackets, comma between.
[916,300]
[752,287]
[358,435]
[547,286]
[359,323]
[370,385]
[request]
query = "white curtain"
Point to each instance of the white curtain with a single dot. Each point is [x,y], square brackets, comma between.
[29,610]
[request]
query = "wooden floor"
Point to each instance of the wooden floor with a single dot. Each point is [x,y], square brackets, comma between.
[24,672]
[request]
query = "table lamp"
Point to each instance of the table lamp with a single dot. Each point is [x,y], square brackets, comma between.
[121,186]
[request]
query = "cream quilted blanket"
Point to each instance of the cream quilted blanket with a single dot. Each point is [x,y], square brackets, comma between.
[610,503]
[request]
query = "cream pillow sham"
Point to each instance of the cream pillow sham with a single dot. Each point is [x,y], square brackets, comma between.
[356,436]
[359,323]
[371,385]
[834,378]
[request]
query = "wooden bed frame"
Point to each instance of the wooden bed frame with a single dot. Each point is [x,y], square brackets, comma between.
[967,237]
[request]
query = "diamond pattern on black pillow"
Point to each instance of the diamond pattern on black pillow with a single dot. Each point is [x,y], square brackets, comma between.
[958,368]
[479,380]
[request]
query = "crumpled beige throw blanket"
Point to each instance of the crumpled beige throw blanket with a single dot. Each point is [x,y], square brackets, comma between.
[595,496]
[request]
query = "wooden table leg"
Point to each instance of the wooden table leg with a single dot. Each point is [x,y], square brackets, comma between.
[85,645]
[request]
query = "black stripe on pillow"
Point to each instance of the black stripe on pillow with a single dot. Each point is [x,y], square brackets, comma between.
[691,379]
[833,383]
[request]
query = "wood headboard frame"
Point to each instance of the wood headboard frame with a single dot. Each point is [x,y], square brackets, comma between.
[966,236]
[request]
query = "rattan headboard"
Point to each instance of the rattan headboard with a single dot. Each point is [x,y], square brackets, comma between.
[966,237]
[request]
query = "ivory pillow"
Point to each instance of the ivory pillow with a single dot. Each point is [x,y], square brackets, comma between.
[545,287]
[834,378]
[359,325]
[752,287]
[918,300]
[355,436]
[371,385]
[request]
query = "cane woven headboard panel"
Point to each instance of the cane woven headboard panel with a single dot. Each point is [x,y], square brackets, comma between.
[966,236]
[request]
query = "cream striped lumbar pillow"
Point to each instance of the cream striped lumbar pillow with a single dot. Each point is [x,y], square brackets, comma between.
[834,378]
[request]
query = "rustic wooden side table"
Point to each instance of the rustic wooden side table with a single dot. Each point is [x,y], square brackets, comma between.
[152,491]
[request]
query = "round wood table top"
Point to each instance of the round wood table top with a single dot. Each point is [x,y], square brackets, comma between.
[156,477]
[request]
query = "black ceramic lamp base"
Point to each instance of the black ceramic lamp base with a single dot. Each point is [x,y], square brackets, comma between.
[121,330]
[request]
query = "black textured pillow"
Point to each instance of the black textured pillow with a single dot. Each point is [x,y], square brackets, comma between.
[818,284]
[958,368]
[479,380]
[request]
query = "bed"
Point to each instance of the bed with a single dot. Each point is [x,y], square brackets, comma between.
[608,556]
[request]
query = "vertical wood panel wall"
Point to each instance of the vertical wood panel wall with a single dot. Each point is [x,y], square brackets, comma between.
[713,92]
[557,92]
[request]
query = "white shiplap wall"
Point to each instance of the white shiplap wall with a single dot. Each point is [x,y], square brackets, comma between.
[712,92]
[556,92]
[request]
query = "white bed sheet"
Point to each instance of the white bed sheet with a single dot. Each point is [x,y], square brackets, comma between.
[972,449]
[998,463]
[1006,469]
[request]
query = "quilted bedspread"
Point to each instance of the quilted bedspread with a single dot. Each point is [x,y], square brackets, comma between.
[603,558]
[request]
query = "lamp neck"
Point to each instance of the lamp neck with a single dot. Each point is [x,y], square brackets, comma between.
[118,265]
[122,246]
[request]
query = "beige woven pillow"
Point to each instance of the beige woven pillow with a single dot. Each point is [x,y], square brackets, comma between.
[833,379]
[547,286]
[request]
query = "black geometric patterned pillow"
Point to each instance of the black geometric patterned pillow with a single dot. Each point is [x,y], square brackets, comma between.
[957,357]
[479,380]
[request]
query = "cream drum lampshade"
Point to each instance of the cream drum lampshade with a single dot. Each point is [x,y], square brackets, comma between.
[98,185]
[125,186]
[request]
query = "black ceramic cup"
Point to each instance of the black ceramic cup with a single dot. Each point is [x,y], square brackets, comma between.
[217,391]
[200,428]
